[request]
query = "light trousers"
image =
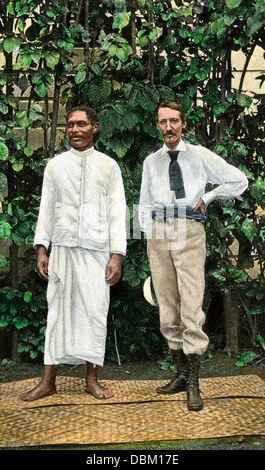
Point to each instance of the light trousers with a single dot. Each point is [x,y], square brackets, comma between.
[177,254]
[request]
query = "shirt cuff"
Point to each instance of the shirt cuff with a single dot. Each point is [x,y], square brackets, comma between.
[43,243]
[209,197]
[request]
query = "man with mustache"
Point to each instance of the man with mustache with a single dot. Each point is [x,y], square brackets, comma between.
[173,204]
[83,219]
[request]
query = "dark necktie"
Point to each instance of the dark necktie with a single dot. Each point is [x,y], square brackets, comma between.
[175,175]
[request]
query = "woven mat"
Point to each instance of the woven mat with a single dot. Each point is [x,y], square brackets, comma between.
[136,413]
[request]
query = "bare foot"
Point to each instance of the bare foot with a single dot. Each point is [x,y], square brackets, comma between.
[40,391]
[92,385]
[95,389]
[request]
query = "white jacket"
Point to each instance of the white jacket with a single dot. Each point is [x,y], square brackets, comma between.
[82,203]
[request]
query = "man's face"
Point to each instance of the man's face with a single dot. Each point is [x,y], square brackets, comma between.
[169,122]
[80,131]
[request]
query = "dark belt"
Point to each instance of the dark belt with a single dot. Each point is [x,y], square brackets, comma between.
[165,213]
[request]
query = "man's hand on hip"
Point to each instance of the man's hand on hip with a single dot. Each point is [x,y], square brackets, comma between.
[201,206]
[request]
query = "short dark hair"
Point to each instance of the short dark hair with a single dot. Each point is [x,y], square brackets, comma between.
[90,112]
[171,105]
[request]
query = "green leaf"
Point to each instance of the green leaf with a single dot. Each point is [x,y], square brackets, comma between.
[217,274]
[20,322]
[33,354]
[261,341]
[4,306]
[129,121]
[113,50]
[257,190]
[177,79]
[4,152]
[245,358]
[52,59]
[3,186]
[27,296]
[164,365]
[23,62]
[5,230]
[184,33]
[8,364]
[20,241]
[243,100]
[4,322]
[35,114]
[201,74]
[23,83]
[67,44]
[3,107]
[256,21]
[22,229]
[22,119]
[11,44]
[3,261]
[50,13]
[3,79]
[80,75]
[231,4]
[22,348]
[37,78]
[123,52]
[248,229]
[198,37]
[220,108]
[257,311]
[192,90]
[121,19]
[11,294]
[10,9]
[155,34]
[11,101]
[256,291]
[229,19]
[41,90]
[29,240]
[13,309]
[187,103]
[18,166]
[142,275]
[28,151]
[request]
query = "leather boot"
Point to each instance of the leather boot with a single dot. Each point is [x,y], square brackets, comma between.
[178,383]
[194,401]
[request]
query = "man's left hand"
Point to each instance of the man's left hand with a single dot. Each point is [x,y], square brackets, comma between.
[201,206]
[114,269]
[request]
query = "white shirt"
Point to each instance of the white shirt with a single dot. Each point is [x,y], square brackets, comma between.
[83,203]
[199,167]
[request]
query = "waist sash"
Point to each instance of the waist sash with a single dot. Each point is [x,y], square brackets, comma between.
[162,212]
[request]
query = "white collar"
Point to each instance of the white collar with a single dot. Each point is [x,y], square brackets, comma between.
[181,147]
[83,153]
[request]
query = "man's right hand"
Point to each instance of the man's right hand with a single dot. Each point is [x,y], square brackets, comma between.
[42,262]
[201,206]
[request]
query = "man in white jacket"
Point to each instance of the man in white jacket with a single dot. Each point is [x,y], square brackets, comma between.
[173,203]
[82,218]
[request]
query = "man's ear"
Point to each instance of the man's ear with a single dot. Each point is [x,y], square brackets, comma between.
[158,128]
[95,127]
